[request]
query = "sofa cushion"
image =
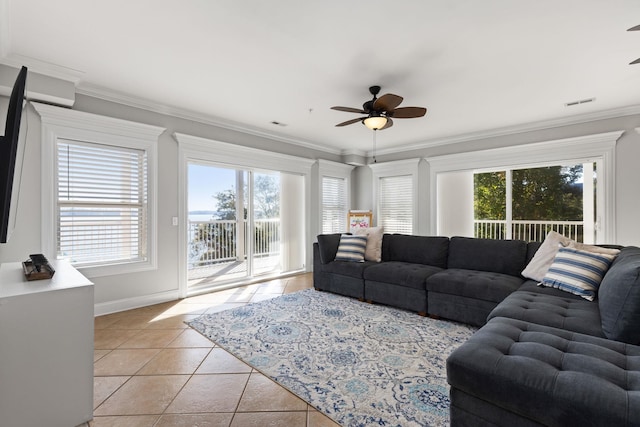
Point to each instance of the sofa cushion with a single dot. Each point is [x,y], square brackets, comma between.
[578,272]
[328,246]
[351,248]
[565,311]
[481,285]
[345,268]
[401,273]
[555,377]
[498,256]
[619,297]
[428,250]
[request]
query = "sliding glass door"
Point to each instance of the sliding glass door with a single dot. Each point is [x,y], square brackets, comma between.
[235,223]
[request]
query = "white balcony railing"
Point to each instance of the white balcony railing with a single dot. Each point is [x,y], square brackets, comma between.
[216,241]
[530,231]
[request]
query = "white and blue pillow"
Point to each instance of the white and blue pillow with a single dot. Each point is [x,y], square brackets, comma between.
[578,272]
[351,248]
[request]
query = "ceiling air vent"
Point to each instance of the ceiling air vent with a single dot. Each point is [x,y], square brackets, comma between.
[582,101]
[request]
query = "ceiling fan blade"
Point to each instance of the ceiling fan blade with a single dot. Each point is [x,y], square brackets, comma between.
[388,125]
[636,28]
[348,122]
[408,112]
[637,61]
[349,110]
[387,102]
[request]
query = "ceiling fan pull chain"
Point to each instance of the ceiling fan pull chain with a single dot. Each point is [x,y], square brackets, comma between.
[375,131]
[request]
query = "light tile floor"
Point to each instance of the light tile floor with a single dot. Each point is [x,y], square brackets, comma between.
[153,370]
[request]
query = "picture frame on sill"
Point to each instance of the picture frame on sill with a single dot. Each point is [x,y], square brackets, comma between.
[360,219]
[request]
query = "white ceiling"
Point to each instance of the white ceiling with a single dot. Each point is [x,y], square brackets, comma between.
[476,65]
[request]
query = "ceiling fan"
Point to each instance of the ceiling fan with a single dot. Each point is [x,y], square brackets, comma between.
[380,111]
[636,28]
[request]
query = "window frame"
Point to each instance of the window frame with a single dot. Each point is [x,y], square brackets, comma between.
[329,169]
[408,167]
[62,123]
[581,149]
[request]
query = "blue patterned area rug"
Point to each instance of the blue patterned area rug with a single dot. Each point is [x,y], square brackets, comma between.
[360,364]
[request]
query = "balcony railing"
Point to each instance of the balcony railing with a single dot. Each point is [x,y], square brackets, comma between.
[530,231]
[212,242]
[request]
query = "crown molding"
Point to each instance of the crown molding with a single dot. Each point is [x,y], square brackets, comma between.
[41,67]
[516,129]
[145,104]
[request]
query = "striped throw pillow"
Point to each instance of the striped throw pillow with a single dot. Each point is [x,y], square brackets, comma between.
[578,272]
[351,248]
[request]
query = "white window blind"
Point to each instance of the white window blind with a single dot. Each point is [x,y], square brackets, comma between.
[396,204]
[101,204]
[334,204]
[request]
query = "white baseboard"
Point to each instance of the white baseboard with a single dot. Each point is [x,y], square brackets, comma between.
[136,302]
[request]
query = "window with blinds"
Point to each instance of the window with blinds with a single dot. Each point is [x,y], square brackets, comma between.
[101,203]
[395,204]
[334,205]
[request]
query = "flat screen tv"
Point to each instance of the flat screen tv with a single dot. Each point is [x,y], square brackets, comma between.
[9,154]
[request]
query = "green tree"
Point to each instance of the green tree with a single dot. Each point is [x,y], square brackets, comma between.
[266,200]
[226,205]
[490,190]
[549,193]
[267,196]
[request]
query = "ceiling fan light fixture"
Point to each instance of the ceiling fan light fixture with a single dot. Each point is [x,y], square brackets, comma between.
[375,122]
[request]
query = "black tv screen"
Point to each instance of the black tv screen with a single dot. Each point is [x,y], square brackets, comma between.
[8,157]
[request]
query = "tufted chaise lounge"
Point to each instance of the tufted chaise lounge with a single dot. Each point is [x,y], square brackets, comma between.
[516,373]
[548,357]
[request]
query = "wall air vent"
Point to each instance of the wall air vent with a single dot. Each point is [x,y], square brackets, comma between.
[582,101]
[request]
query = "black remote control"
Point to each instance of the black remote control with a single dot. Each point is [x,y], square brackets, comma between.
[38,261]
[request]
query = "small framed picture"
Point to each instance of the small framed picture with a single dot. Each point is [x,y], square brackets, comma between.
[360,219]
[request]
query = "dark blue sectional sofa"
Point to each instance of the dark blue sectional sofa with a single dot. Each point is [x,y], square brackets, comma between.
[542,356]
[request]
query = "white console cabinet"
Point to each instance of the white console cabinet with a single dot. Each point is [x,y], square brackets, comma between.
[46,348]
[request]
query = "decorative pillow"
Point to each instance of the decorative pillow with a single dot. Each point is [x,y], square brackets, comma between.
[373,252]
[351,248]
[592,248]
[578,272]
[543,258]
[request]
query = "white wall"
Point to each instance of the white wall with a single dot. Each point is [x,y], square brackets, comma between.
[362,189]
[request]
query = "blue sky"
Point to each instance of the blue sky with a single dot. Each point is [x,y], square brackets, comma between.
[204,182]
